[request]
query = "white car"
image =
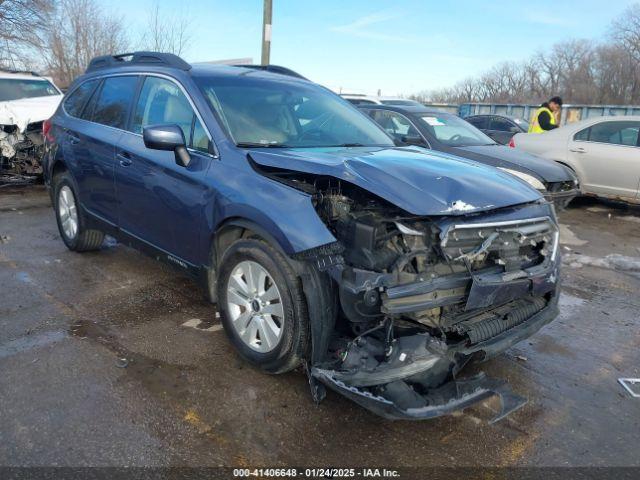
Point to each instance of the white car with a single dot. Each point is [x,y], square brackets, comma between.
[26,100]
[358,99]
[603,152]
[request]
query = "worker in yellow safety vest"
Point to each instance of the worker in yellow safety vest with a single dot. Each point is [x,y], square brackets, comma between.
[545,118]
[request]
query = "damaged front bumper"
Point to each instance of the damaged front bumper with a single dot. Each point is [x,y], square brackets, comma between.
[406,394]
[561,198]
[452,397]
[433,325]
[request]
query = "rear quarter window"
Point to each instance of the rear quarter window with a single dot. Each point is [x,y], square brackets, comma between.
[75,102]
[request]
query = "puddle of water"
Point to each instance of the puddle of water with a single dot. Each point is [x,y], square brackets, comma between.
[157,376]
[24,278]
[30,342]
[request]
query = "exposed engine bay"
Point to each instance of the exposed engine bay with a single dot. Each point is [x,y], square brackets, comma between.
[420,297]
[21,150]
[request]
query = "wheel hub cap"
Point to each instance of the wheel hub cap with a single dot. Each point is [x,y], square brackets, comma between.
[68,212]
[255,306]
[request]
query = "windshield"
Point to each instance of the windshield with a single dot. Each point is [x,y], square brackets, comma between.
[14,89]
[453,131]
[259,112]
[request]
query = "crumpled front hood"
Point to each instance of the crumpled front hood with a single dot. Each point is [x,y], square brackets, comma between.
[506,157]
[419,181]
[24,111]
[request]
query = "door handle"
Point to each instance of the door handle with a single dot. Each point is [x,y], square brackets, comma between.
[124,158]
[577,150]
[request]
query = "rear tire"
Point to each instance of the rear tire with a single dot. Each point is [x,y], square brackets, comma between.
[71,223]
[262,306]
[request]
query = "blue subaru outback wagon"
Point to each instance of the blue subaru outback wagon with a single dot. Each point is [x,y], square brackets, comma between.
[382,270]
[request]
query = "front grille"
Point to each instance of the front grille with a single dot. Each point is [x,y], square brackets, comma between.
[514,245]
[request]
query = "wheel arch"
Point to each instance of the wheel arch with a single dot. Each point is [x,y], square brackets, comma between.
[320,294]
[234,228]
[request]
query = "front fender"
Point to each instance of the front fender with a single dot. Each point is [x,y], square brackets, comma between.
[285,214]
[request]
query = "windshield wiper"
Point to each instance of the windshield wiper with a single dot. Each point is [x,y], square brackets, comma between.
[261,145]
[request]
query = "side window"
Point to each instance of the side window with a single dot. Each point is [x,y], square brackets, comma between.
[112,105]
[478,122]
[75,102]
[582,135]
[199,141]
[616,133]
[501,124]
[161,102]
[394,124]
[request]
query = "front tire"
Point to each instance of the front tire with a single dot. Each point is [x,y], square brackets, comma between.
[71,224]
[262,306]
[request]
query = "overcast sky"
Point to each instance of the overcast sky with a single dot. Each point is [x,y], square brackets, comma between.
[398,47]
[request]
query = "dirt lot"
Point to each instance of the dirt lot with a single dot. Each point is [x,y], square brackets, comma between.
[102,363]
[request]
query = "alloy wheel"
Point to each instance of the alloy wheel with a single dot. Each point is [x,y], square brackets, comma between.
[68,212]
[255,306]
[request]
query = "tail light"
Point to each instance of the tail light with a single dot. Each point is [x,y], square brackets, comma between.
[46,129]
[512,143]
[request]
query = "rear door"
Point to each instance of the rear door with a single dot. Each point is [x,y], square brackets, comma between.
[92,142]
[607,157]
[159,201]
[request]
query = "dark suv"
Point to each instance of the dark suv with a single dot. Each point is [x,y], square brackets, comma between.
[383,270]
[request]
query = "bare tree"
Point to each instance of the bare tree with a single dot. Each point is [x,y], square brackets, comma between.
[626,29]
[23,26]
[581,71]
[83,31]
[166,33]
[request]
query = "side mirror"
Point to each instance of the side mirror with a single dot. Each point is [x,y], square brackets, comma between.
[412,140]
[169,138]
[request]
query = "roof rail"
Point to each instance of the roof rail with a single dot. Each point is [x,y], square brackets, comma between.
[138,58]
[274,69]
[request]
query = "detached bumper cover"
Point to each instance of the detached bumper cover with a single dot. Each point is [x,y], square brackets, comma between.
[454,396]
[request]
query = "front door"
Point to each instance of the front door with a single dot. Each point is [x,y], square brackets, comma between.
[159,201]
[607,157]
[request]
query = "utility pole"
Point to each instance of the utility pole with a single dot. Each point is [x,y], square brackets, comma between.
[266,32]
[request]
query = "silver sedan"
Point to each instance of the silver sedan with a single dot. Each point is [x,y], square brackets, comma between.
[603,152]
